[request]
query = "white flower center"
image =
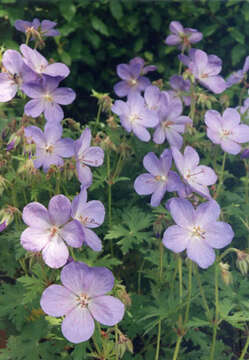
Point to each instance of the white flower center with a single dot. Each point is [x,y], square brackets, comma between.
[48,97]
[196,231]
[54,231]
[87,220]
[133,82]
[161,178]
[49,149]
[224,133]
[83,300]
[133,118]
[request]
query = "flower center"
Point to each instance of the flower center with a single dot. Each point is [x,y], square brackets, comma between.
[133,82]
[54,230]
[167,123]
[83,300]
[225,133]
[133,118]
[49,149]
[48,97]
[189,175]
[87,220]
[198,232]
[162,178]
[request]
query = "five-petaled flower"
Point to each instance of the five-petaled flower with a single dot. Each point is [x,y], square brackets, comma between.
[197,177]
[49,230]
[181,36]
[81,299]
[197,231]
[226,130]
[160,179]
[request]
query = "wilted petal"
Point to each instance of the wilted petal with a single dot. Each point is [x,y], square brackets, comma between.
[55,254]
[72,233]
[36,216]
[200,253]
[107,310]
[34,239]
[78,325]
[176,238]
[57,301]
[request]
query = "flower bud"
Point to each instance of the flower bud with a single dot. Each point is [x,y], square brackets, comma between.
[242,261]
[226,275]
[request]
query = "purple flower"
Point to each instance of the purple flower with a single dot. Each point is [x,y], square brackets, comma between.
[205,69]
[48,229]
[81,299]
[226,130]
[16,74]
[183,37]
[90,214]
[244,109]
[45,28]
[132,81]
[47,98]
[153,98]
[36,62]
[135,116]
[179,85]
[159,180]
[197,177]
[237,76]
[172,123]
[86,156]
[197,231]
[50,148]
[3,226]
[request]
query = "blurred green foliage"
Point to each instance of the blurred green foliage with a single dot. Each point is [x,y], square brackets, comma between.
[96,35]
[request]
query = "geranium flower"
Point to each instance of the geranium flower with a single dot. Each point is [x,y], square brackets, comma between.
[50,148]
[197,177]
[36,62]
[49,230]
[226,130]
[90,214]
[16,73]
[181,36]
[45,28]
[47,98]
[197,231]
[132,79]
[171,121]
[205,69]
[135,116]
[86,156]
[81,299]
[160,179]
[237,76]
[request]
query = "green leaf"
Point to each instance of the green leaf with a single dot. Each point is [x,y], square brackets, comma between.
[116,9]
[100,26]
[237,53]
[67,10]
[237,35]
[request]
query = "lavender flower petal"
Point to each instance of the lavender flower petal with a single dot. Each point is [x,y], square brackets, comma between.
[57,301]
[108,310]
[59,209]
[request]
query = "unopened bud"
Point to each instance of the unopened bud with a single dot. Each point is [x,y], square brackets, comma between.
[13,142]
[242,261]
[226,275]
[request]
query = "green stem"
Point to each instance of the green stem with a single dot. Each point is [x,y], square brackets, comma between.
[109,195]
[116,343]
[204,300]
[97,118]
[177,348]
[192,105]
[227,251]
[180,276]
[244,351]
[216,312]
[221,180]
[160,280]
[158,339]
[189,291]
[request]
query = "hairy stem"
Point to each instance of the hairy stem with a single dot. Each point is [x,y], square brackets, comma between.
[216,312]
